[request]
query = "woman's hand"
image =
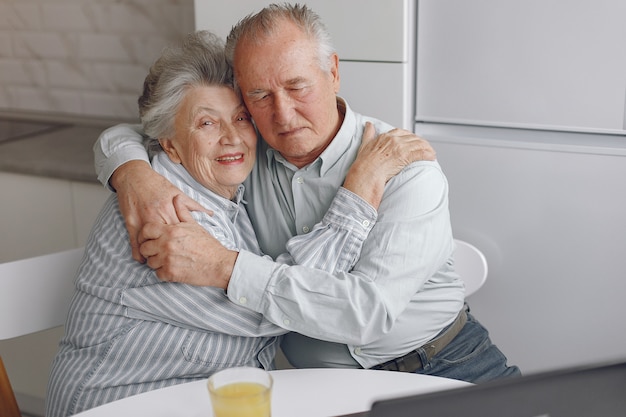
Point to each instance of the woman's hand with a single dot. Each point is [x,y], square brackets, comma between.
[185,252]
[381,158]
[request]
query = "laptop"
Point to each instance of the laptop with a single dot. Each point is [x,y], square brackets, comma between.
[598,391]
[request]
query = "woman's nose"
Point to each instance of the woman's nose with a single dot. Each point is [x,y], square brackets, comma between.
[230,135]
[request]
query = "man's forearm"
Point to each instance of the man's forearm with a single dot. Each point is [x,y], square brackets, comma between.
[129,171]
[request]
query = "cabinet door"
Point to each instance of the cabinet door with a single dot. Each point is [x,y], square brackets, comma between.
[36,216]
[364,30]
[87,199]
[378,90]
[548,64]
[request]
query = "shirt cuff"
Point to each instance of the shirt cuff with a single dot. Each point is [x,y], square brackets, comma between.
[116,146]
[249,280]
[350,211]
[118,159]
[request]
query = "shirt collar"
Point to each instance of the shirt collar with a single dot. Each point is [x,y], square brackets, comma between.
[183,180]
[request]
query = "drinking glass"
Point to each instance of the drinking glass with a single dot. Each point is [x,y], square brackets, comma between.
[241,392]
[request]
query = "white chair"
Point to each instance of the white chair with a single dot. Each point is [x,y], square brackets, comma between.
[35,294]
[471,265]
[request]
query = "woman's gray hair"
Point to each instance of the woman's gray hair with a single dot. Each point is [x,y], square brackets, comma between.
[198,61]
[254,27]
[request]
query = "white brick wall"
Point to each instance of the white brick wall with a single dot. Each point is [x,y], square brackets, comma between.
[83,57]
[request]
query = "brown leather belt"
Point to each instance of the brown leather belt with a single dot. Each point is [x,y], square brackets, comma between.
[412,361]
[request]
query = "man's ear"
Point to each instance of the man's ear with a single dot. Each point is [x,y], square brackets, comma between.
[170,150]
[334,70]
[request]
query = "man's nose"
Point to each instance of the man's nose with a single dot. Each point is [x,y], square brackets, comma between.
[283,108]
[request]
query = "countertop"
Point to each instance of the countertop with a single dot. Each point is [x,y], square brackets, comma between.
[63,152]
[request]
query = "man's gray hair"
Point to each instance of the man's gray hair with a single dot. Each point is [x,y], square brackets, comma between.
[198,61]
[254,27]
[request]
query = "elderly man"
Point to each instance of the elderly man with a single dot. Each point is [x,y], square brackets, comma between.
[402,305]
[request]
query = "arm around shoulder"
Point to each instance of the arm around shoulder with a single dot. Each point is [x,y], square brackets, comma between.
[116,146]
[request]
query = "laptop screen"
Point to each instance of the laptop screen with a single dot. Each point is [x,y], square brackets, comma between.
[598,391]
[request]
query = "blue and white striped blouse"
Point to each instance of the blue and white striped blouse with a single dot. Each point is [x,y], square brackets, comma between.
[127,332]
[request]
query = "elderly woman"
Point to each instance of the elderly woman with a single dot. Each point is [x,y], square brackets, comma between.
[127,332]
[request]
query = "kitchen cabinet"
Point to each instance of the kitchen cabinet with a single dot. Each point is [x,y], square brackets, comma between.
[36,216]
[40,215]
[387,100]
[538,64]
[362,30]
[87,200]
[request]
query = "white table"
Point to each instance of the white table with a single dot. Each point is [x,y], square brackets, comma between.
[297,392]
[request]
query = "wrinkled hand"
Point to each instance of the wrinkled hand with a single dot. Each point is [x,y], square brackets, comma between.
[381,158]
[185,252]
[147,197]
[390,152]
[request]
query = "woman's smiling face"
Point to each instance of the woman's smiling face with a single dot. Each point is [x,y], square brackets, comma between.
[214,139]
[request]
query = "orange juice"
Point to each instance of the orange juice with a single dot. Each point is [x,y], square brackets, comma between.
[241,399]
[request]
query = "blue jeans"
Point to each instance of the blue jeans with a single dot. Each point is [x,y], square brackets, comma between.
[470,357]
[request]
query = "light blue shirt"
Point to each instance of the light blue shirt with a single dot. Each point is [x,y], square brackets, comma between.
[403,289]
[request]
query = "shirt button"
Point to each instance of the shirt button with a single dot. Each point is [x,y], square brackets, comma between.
[300,180]
[243,300]
[286,322]
[366,223]
[306,229]
[358,351]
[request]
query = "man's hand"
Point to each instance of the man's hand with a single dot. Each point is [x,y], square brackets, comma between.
[381,158]
[145,197]
[185,252]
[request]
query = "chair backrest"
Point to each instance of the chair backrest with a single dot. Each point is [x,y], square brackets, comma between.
[471,265]
[35,294]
